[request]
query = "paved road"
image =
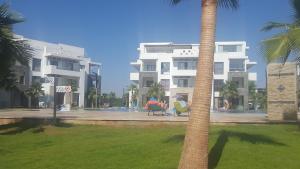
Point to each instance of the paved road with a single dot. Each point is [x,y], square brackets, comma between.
[133,116]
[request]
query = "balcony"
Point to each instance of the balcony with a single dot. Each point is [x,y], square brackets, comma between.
[134,76]
[184,72]
[52,69]
[185,53]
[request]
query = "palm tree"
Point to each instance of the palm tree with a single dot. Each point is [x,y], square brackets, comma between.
[111,98]
[12,50]
[195,150]
[157,91]
[34,92]
[229,92]
[286,43]
[92,95]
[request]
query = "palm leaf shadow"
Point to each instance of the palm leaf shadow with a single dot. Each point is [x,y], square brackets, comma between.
[217,150]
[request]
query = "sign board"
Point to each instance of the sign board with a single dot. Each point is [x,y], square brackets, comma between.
[49,80]
[63,89]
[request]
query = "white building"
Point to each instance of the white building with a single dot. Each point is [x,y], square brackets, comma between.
[69,64]
[174,67]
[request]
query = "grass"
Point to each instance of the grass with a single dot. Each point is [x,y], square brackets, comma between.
[31,146]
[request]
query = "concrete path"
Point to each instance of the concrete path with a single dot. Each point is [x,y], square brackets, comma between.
[128,116]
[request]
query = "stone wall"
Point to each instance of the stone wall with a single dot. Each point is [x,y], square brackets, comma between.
[282,89]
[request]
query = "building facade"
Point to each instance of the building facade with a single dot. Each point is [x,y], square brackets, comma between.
[68,64]
[174,67]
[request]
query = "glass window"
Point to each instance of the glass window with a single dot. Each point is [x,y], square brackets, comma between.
[183,83]
[182,65]
[219,68]
[149,67]
[36,79]
[165,67]
[53,61]
[239,81]
[165,83]
[36,64]
[230,48]
[236,65]
[218,84]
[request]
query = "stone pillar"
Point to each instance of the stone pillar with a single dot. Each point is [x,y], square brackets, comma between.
[282,91]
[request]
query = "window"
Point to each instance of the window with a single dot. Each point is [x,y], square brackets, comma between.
[236,65]
[36,79]
[53,61]
[165,67]
[230,48]
[185,64]
[239,81]
[36,64]
[150,67]
[182,65]
[218,85]
[147,81]
[165,83]
[219,68]
[183,83]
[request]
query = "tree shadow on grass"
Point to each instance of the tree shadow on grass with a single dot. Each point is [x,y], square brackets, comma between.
[217,150]
[36,125]
[178,138]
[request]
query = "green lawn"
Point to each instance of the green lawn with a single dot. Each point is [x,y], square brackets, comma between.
[98,147]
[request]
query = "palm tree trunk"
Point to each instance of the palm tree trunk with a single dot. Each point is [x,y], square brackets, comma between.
[195,149]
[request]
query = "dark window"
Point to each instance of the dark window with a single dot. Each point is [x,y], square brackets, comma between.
[182,65]
[36,79]
[239,81]
[236,65]
[219,68]
[36,64]
[218,84]
[149,67]
[183,83]
[165,67]
[230,48]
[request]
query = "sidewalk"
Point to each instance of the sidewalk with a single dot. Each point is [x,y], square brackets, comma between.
[127,116]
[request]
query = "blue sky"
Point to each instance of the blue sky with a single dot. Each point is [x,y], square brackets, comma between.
[110,30]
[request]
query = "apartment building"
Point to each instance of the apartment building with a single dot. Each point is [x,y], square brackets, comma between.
[174,67]
[68,64]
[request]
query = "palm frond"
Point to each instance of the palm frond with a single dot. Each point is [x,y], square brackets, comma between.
[8,17]
[175,2]
[230,4]
[275,25]
[277,48]
[296,7]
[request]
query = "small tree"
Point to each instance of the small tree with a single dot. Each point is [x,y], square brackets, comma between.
[157,91]
[92,95]
[34,92]
[252,93]
[229,92]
